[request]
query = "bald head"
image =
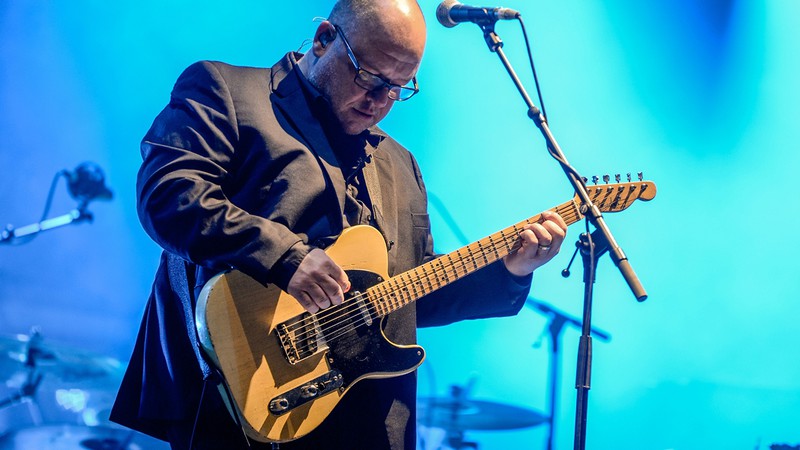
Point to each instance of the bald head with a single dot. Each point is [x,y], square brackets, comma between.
[395,23]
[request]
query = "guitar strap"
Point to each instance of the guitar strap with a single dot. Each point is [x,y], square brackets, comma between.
[374,189]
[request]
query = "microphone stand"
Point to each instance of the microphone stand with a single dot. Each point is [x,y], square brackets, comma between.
[79,214]
[593,215]
[556,325]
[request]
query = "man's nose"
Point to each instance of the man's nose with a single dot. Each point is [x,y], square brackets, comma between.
[380,97]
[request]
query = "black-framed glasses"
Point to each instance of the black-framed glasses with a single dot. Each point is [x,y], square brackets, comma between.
[373,82]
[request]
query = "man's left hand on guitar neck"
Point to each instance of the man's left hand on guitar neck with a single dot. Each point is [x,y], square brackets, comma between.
[540,241]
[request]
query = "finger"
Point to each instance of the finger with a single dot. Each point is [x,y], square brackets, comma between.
[528,243]
[307,302]
[556,232]
[543,236]
[333,290]
[555,217]
[340,277]
[319,296]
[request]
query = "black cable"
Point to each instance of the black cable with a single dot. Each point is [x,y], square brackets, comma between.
[564,164]
[533,67]
[49,200]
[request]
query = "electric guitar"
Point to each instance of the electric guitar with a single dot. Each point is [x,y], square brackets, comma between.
[286,369]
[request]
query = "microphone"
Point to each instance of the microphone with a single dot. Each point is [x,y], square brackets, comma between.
[87,183]
[450,13]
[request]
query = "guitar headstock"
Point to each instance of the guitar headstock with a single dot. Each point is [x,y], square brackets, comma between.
[619,196]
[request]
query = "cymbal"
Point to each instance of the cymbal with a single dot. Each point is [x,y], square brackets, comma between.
[21,353]
[459,415]
[70,437]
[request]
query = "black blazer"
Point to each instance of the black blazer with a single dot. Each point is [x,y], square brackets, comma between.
[236,172]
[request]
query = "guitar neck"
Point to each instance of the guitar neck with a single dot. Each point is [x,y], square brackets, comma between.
[409,286]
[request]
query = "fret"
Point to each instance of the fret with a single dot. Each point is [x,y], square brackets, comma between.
[494,248]
[481,252]
[508,242]
[463,260]
[435,272]
[392,294]
[374,298]
[473,259]
[414,278]
[448,266]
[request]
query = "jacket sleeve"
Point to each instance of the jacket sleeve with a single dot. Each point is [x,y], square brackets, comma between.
[189,159]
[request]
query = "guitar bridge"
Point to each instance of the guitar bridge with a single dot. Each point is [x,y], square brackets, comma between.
[300,337]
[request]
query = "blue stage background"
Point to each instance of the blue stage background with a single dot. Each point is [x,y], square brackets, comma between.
[700,96]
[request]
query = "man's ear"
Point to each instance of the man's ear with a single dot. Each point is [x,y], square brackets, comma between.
[325,39]
[325,34]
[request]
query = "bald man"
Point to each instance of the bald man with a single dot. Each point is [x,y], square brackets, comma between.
[258,170]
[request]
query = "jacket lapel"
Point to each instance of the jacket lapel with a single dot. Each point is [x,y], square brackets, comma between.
[289,98]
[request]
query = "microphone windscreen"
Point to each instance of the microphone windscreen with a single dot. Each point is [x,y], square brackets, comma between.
[443,13]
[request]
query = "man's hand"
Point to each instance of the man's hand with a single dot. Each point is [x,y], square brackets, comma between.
[318,282]
[540,243]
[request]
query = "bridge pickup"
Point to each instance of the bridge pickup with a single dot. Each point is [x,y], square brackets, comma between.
[300,337]
[305,393]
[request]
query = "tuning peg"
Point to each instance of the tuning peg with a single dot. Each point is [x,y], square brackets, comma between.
[617,177]
[641,177]
[629,176]
[585,180]
[606,179]
[595,179]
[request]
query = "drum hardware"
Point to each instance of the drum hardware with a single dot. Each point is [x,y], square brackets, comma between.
[85,184]
[458,414]
[69,394]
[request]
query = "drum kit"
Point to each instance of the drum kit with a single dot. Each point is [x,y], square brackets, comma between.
[59,398]
[443,421]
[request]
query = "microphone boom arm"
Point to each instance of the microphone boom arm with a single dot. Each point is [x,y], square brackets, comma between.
[589,210]
[77,215]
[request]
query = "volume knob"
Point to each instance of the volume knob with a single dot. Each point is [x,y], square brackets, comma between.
[279,404]
[308,391]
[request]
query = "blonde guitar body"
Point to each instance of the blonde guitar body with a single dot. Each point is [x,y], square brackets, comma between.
[238,322]
[286,369]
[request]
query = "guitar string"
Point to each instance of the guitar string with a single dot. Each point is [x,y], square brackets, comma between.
[323,321]
[569,211]
[325,316]
[331,326]
[330,332]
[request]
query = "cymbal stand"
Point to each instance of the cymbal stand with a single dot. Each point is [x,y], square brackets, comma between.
[33,379]
[455,438]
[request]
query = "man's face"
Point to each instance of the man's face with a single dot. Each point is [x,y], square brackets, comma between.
[355,108]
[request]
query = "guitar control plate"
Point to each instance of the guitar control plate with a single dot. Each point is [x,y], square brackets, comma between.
[306,392]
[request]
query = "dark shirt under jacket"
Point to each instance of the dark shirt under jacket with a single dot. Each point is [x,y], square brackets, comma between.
[238,172]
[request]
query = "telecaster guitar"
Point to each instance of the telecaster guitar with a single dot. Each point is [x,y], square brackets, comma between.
[286,369]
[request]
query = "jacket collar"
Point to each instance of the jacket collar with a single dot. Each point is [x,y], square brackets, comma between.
[289,97]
